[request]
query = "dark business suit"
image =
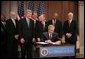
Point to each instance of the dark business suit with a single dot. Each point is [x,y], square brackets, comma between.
[3,41]
[35,25]
[12,43]
[73,29]
[45,36]
[58,27]
[40,29]
[26,31]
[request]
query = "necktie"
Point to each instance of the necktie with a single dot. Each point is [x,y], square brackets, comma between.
[28,22]
[54,21]
[14,22]
[34,23]
[69,23]
[43,23]
[50,36]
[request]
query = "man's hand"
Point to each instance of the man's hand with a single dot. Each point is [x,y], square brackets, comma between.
[22,40]
[63,39]
[18,17]
[58,42]
[68,35]
[33,40]
[48,41]
[38,39]
[16,36]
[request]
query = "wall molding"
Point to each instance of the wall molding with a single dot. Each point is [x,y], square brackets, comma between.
[81,3]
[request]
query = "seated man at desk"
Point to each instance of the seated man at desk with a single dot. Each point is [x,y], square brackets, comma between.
[50,36]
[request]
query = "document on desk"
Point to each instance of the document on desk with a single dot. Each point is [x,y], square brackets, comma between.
[42,43]
[53,43]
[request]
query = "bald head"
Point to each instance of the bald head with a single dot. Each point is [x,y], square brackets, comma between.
[70,15]
[51,28]
[55,15]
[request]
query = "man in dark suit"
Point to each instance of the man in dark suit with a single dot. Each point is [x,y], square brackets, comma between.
[26,31]
[57,24]
[50,36]
[12,36]
[41,26]
[70,29]
[35,19]
[3,40]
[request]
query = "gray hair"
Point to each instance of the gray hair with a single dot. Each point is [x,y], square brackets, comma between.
[27,11]
[70,13]
[51,26]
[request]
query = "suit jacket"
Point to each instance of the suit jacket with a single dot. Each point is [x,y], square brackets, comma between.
[58,27]
[3,35]
[26,32]
[12,42]
[45,36]
[39,28]
[73,29]
[34,36]
[11,29]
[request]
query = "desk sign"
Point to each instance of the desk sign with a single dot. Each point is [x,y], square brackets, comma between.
[56,51]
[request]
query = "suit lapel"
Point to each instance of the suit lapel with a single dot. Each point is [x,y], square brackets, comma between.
[46,35]
[52,35]
[13,24]
[2,25]
[25,22]
[70,24]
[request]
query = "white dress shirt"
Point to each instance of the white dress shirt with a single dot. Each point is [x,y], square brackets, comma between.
[28,21]
[13,20]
